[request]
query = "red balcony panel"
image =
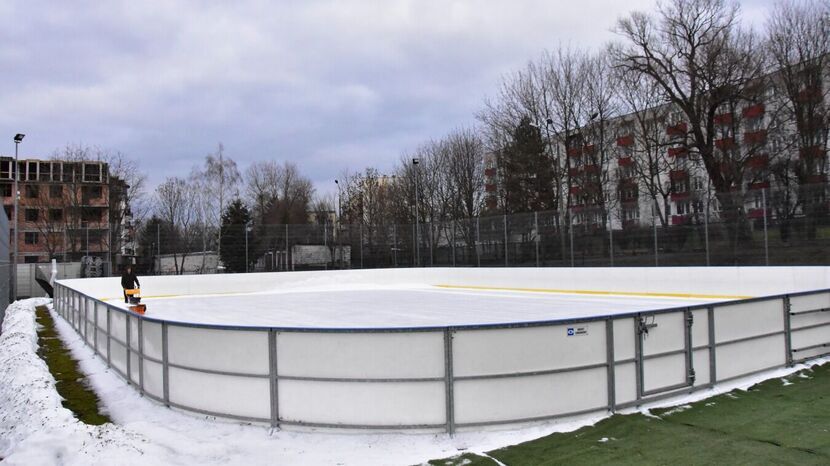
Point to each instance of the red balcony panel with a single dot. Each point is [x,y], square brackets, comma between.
[624,141]
[680,219]
[677,151]
[575,190]
[575,152]
[678,174]
[492,203]
[755,213]
[723,119]
[680,196]
[591,168]
[590,149]
[759,185]
[490,188]
[679,129]
[815,179]
[489,172]
[758,161]
[812,151]
[574,171]
[725,143]
[625,161]
[628,183]
[810,94]
[629,224]
[754,111]
[755,137]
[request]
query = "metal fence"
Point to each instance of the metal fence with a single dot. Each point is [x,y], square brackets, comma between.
[450,377]
[761,227]
[5,266]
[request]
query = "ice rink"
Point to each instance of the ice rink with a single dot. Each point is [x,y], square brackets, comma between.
[402,306]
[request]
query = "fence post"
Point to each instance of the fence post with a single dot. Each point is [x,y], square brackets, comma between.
[109,333]
[165,368]
[506,261]
[95,326]
[706,230]
[141,355]
[710,317]
[571,234]
[609,360]
[611,240]
[656,255]
[273,380]
[478,242]
[788,342]
[448,382]
[766,236]
[536,226]
[128,331]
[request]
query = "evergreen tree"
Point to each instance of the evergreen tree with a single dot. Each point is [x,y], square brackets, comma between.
[526,171]
[235,219]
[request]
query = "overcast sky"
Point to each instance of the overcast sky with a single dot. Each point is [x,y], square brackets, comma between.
[330,85]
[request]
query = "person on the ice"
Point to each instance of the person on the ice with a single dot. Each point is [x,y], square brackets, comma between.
[129,281]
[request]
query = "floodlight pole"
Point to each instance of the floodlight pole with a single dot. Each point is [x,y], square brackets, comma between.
[18,138]
[415,163]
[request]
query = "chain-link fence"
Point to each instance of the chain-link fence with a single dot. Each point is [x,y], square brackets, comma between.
[759,227]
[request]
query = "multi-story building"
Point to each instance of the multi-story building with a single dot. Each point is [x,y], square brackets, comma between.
[66,209]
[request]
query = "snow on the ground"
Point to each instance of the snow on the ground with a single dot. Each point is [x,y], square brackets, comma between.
[35,429]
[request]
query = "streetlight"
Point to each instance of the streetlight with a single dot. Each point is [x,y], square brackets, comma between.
[339,221]
[415,162]
[247,229]
[18,138]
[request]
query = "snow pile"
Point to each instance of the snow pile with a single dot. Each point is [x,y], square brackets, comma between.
[34,427]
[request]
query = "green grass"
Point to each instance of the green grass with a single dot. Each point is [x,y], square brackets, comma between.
[71,382]
[775,422]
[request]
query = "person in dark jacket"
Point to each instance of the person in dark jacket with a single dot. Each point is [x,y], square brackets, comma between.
[129,281]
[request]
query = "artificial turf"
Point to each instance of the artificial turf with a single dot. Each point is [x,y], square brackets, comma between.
[779,421]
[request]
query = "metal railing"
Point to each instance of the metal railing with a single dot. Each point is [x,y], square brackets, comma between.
[475,375]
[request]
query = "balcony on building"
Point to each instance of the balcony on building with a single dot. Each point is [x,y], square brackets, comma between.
[677,130]
[490,172]
[678,151]
[755,137]
[591,168]
[758,161]
[811,94]
[684,219]
[589,149]
[680,196]
[753,111]
[574,171]
[725,143]
[811,152]
[574,152]
[625,161]
[575,190]
[816,179]
[758,185]
[490,188]
[756,213]
[723,119]
[625,141]
[678,174]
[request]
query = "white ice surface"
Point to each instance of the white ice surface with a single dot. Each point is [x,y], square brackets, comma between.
[411,306]
[36,430]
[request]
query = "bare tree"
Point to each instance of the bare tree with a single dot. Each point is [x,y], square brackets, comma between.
[175,201]
[700,59]
[798,40]
[262,184]
[220,179]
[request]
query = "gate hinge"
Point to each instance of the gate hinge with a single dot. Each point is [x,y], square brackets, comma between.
[691,376]
[690,319]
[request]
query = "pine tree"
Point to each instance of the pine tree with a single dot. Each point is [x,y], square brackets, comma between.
[235,219]
[526,171]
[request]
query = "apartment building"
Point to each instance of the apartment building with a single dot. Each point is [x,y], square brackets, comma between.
[640,169]
[67,209]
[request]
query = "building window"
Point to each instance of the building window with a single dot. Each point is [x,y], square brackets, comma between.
[55,215]
[91,215]
[92,172]
[6,169]
[55,191]
[45,171]
[32,191]
[31,259]
[30,237]
[32,215]
[91,192]
[31,171]
[6,190]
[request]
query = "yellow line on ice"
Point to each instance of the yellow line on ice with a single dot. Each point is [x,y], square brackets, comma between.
[594,292]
